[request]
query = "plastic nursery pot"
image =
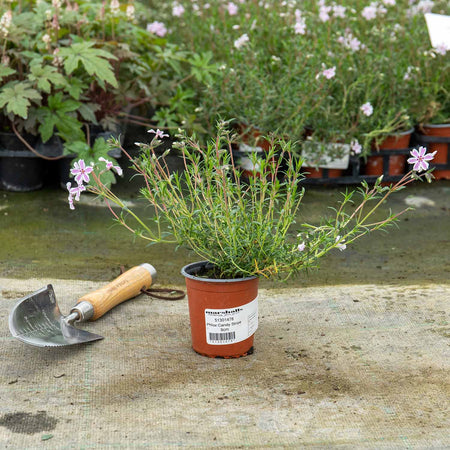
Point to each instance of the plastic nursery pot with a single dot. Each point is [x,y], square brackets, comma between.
[20,169]
[443,149]
[314,172]
[252,141]
[397,163]
[223,313]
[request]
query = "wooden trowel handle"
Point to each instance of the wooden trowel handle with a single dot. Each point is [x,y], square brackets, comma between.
[124,287]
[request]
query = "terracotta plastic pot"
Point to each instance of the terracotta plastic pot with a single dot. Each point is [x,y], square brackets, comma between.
[397,163]
[314,172]
[252,138]
[223,313]
[443,149]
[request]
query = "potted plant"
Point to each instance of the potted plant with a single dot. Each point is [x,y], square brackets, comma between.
[432,109]
[240,231]
[70,75]
[345,76]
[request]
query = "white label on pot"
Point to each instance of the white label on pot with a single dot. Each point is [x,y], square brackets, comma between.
[228,326]
[439,30]
[326,155]
[247,148]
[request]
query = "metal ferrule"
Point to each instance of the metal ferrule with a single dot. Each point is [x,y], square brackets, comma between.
[84,310]
[149,268]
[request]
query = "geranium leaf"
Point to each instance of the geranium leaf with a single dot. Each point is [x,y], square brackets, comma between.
[5,71]
[94,61]
[17,98]
[45,77]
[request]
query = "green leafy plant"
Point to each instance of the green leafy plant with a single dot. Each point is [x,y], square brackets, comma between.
[244,229]
[64,67]
[305,69]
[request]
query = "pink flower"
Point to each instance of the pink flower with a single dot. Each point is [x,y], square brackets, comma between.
[110,165]
[232,9]
[158,133]
[354,44]
[81,172]
[355,147]
[301,247]
[367,109]
[420,159]
[339,11]
[323,13]
[329,73]
[177,10]
[441,49]
[369,12]
[238,43]
[300,26]
[157,28]
[75,191]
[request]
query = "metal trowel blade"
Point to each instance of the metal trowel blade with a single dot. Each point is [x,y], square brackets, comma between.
[37,320]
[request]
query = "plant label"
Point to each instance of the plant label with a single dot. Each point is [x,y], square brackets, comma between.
[232,325]
[439,30]
[326,155]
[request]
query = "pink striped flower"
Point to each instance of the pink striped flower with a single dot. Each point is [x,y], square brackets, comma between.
[110,165]
[420,159]
[81,172]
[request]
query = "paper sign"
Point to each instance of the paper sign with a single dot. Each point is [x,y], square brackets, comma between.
[326,156]
[438,29]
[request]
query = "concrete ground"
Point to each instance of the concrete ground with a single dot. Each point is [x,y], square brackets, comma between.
[354,357]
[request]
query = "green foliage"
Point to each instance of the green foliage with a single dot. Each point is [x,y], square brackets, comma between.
[57,115]
[45,77]
[94,60]
[16,97]
[91,155]
[62,67]
[275,82]
[244,229]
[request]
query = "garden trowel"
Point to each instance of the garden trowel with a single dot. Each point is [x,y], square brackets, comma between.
[37,320]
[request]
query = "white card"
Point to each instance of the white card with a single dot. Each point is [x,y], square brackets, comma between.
[438,29]
[326,155]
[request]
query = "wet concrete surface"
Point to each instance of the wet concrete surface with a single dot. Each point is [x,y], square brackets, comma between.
[42,237]
[353,356]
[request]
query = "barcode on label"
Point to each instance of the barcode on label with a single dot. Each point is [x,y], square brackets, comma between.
[222,336]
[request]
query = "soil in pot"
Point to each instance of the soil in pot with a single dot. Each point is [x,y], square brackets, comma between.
[397,163]
[223,313]
[442,149]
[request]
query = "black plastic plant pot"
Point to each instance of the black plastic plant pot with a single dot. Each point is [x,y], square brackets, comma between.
[20,169]
[20,172]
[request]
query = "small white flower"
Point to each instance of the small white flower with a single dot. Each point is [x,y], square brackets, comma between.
[341,246]
[367,109]
[158,133]
[115,7]
[301,247]
[130,12]
[238,43]
[46,38]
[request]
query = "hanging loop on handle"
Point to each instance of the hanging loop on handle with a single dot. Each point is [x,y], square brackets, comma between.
[173,294]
